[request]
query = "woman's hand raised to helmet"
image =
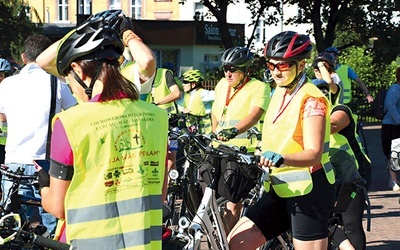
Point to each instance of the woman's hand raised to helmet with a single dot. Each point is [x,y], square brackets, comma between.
[125,24]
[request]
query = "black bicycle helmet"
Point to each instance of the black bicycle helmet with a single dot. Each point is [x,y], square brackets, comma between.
[5,66]
[88,44]
[108,18]
[289,45]
[333,50]
[240,57]
[324,57]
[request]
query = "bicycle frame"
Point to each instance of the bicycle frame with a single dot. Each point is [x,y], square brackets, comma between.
[207,222]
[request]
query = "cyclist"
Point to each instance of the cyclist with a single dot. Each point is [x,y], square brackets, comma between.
[197,101]
[347,75]
[5,68]
[347,155]
[112,147]
[294,140]
[240,101]
[26,141]
[324,69]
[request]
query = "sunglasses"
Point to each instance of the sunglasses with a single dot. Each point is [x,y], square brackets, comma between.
[231,69]
[282,66]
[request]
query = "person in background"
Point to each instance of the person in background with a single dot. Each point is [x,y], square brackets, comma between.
[324,69]
[350,161]
[112,146]
[347,75]
[240,102]
[269,80]
[295,139]
[324,75]
[5,69]
[165,91]
[197,101]
[391,126]
[28,124]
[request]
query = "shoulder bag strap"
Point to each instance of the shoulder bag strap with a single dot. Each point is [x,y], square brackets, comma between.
[52,112]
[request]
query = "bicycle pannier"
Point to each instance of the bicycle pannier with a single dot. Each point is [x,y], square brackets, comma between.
[233,183]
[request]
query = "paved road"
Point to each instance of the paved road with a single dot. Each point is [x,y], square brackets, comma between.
[385,204]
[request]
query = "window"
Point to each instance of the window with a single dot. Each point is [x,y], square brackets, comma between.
[115,4]
[260,32]
[87,7]
[168,59]
[63,10]
[136,9]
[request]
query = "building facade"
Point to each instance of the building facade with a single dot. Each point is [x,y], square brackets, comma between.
[60,16]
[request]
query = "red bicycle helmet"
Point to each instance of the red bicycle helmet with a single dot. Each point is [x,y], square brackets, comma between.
[289,45]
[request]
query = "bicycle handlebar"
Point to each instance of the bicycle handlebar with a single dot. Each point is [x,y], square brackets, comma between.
[203,142]
[4,170]
[50,243]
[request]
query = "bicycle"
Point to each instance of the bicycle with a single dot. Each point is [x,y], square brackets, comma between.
[15,230]
[207,221]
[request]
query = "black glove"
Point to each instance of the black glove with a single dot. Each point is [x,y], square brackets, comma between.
[43,179]
[276,158]
[125,24]
[227,134]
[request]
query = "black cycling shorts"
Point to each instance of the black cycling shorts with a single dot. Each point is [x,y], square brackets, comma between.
[307,216]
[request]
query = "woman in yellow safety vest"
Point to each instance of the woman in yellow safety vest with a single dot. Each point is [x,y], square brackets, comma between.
[197,101]
[107,172]
[295,141]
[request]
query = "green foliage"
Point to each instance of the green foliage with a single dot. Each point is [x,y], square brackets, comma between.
[375,75]
[15,27]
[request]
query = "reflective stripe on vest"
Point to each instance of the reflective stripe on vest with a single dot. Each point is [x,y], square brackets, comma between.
[360,145]
[277,136]
[123,241]
[114,199]
[343,72]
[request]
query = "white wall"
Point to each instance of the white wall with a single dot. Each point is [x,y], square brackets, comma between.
[239,14]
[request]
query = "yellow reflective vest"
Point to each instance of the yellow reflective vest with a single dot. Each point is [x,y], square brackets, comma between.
[194,103]
[3,133]
[277,136]
[343,72]
[253,94]
[114,198]
[160,89]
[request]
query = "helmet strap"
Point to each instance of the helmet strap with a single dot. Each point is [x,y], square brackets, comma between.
[88,90]
[242,82]
[295,80]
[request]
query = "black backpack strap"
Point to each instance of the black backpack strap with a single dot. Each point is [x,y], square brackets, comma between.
[52,112]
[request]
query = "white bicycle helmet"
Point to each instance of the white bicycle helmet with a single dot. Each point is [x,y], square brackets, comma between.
[5,66]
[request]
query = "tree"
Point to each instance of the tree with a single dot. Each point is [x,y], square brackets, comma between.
[218,9]
[345,23]
[15,26]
